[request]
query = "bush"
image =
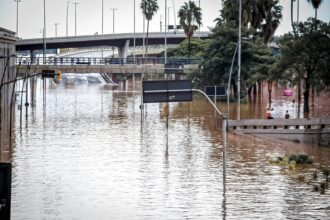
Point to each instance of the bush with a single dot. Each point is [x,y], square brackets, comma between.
[300,158]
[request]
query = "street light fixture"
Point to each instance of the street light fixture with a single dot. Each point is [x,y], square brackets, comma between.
[17,1]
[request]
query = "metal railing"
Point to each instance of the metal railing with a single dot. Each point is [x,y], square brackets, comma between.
[104,61]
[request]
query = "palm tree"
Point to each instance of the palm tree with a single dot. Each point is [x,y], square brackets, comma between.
[149,9]
[273,15]
[190,19]
[292,23]
[316,4]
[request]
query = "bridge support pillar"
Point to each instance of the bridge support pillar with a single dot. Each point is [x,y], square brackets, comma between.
[122,51]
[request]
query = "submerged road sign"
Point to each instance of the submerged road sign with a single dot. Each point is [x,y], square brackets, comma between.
[215,90]
[167,91]
[48,73]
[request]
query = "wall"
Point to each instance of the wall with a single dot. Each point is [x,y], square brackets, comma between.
[7,96]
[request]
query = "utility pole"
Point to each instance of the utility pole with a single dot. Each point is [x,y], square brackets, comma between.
[239,62]
[17,1]
[161,23]
[56,29]
[75,18]
[67,18]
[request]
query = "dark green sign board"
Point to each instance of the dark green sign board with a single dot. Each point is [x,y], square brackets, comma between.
[167,91]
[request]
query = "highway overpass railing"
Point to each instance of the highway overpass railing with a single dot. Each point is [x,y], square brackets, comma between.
[103,61]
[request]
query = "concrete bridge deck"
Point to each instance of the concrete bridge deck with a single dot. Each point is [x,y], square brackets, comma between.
[313,130]
[113,69]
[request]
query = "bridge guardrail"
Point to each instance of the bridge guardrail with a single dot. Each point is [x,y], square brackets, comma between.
[104,61]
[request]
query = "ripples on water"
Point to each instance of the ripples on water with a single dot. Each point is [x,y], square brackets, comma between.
[86,155]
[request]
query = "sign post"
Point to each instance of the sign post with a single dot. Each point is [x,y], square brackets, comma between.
[181,91]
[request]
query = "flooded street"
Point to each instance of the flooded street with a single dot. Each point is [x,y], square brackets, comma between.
[85,154]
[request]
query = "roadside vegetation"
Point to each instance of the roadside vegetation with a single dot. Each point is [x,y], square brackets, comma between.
[303,57]
[300,167]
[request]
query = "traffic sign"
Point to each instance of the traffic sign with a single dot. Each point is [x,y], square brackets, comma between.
[215,90]
[167,91]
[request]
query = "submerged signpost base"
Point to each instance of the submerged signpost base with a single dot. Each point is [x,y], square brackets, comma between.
[180,91]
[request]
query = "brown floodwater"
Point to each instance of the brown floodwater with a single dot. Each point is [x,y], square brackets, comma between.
[85,154]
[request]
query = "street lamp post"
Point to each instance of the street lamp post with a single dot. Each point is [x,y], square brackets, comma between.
[168,15]
[113,19]
[165,43]
[75,18]
[134,41]
[102,15]
[67,18]
[56,28]
[17,1]
[44,34]
[239,63]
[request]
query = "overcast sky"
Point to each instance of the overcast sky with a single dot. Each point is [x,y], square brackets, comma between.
[89,16]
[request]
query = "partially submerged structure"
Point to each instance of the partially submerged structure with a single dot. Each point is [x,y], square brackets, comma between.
[7,91]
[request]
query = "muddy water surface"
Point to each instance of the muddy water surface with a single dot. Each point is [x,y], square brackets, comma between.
[86,155]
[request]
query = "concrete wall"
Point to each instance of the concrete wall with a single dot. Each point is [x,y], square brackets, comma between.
[7,73]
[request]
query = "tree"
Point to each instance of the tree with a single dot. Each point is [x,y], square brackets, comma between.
[316,4]
[263,16]
[196,49]
[190,19]
[149,9]
[219,51]
[308,54]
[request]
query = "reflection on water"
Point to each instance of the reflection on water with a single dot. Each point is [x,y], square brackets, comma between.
[86,155]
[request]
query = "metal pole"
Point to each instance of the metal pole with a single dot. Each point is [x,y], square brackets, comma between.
[224,151]
[75,18]
[17,1]
[239,63]
[134,41]
[67,18]
[56,29]
[144,18]
[44,34]
[102,18]
[113,19]
[168,15]
[298,11]
[229,79]
[102,26]
[174,16]
[165,53]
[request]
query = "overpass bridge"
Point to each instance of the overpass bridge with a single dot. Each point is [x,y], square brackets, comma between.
[125,66]
[121,41]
